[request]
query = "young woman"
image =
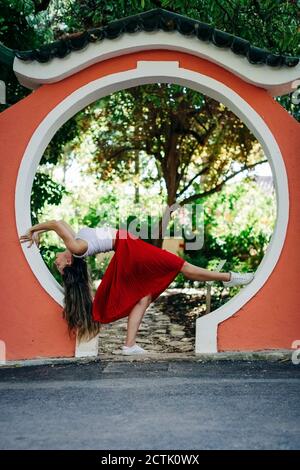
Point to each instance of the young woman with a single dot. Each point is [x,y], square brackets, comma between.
[136,275]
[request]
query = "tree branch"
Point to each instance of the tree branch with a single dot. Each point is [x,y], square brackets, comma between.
[120,151]
[200,124]
[200,138]
[224,9]
[219,186]
[192,180]
[188,161]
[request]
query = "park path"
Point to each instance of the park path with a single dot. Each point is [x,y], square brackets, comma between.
[168,325]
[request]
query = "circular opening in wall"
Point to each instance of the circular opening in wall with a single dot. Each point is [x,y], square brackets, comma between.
[105,86]
[121,160]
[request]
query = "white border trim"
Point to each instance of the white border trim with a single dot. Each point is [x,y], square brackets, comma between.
[277,81]
[151,72]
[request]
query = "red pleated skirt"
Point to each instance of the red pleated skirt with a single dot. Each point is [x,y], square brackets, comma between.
[135,270]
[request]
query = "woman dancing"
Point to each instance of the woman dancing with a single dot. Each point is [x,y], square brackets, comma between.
[136,275]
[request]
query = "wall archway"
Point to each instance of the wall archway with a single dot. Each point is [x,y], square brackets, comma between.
[149,72]
[252,104]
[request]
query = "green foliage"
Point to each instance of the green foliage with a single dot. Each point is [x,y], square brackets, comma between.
[66,134]
[286,102]
[101,212]
[239,222]
[44,190]
[17,32]
[270,24]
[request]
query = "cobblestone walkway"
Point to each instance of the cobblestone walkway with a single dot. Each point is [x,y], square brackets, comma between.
[161,330]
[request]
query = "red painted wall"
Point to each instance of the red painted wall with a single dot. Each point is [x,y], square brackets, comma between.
[30,321]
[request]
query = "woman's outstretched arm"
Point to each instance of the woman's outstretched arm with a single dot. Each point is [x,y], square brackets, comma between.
[63,230]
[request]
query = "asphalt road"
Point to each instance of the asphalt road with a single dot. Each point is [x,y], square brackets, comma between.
[166,405]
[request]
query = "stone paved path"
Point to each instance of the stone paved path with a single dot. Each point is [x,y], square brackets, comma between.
[161,329]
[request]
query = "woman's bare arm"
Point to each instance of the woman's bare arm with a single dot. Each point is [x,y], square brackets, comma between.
[63,230]
[67,234]
[68,227]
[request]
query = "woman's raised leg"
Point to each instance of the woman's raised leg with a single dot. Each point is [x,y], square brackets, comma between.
[194,273]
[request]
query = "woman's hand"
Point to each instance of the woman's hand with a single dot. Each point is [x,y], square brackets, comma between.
[33,233]
[32,236]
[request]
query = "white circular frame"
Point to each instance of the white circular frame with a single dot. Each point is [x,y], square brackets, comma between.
[153,72]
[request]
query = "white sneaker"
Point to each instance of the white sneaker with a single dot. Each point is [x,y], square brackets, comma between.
[131,350]
[238,279]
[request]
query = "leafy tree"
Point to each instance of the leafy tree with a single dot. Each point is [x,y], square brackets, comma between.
[18,31]
[270,24]
[195,143]
[44,190]
[238,225]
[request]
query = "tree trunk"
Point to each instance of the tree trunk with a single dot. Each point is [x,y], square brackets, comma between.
[163,222]
[170,168]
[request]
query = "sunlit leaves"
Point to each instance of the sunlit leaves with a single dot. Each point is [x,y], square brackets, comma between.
[44,190]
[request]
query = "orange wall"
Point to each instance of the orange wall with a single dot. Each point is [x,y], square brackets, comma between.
[271,319]
[31,323]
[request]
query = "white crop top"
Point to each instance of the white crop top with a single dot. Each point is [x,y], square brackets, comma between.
[99,240]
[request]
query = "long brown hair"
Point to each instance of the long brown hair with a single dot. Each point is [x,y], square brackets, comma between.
[78,300]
